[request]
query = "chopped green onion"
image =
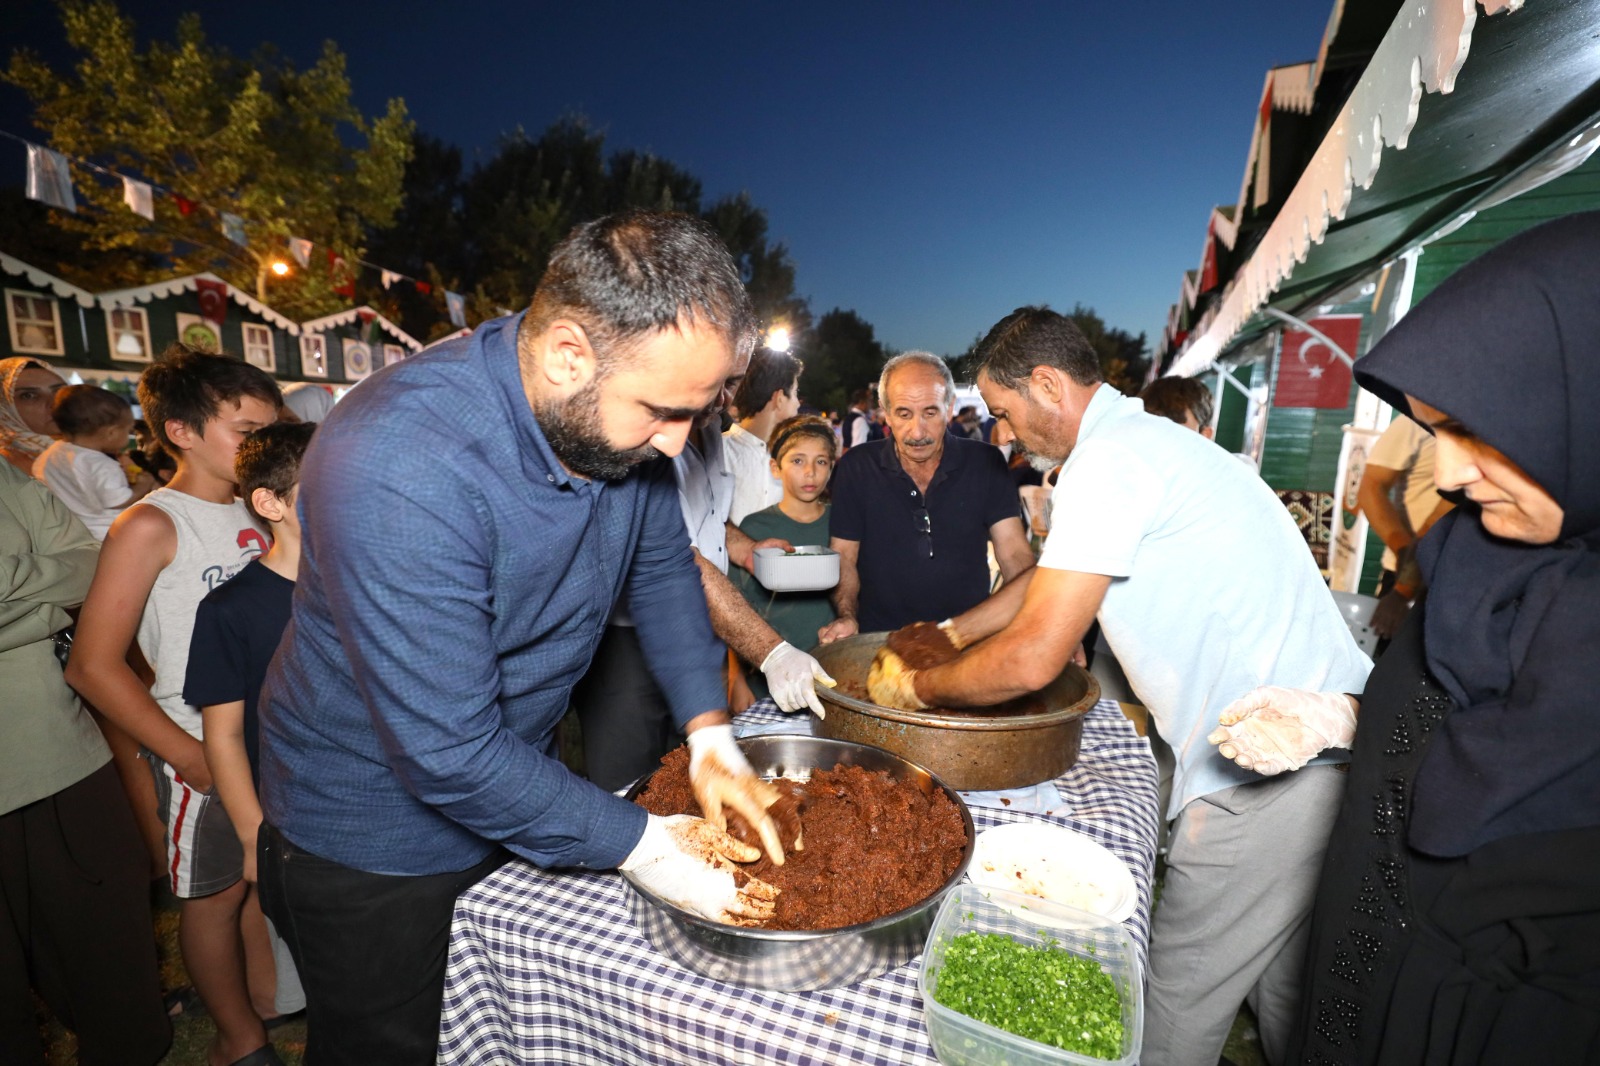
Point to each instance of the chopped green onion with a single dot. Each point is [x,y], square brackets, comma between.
[1042,993]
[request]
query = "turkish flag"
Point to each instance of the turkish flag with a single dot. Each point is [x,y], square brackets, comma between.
[213,300]
[1309,373]
[342,277]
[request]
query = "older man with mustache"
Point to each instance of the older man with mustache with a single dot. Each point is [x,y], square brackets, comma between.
[914,514]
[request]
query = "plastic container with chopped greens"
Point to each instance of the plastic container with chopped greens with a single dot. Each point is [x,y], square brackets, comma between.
[1026,965]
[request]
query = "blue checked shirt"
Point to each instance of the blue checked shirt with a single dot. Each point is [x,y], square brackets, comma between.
[454,583]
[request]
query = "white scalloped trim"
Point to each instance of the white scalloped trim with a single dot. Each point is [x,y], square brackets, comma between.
[162,289]
[1424,49]
[344,318]
[64,289]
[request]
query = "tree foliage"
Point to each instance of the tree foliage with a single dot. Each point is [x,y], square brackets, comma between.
[257,138]
[270,144]
[488,232]
[841,354]
[1124,357]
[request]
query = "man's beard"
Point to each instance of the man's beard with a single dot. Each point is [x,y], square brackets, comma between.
[1042,463]
[1036,459]
[573,429]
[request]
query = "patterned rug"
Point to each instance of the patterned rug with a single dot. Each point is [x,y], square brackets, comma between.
[1313,514]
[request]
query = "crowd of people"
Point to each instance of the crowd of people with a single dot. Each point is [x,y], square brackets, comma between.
[307,664]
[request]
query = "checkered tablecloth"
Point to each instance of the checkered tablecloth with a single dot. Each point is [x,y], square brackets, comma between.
[547,967]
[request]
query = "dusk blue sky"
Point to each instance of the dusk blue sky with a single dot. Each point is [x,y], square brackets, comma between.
[931,165]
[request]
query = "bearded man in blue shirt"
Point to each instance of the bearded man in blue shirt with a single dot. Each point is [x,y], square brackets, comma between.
[470,517]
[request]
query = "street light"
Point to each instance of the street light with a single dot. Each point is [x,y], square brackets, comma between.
[778,339]
[279,267]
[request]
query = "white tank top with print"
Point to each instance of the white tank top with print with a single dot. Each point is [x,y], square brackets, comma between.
[215,541]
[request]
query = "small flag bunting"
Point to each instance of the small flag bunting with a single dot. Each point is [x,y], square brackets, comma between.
[139,198]
[233,229]
[341,276]
[213,300]
[49,179]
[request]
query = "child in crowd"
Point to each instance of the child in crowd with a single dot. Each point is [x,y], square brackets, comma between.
[160,558]
[149,456]
[804,450]
[82,469]
[236,631]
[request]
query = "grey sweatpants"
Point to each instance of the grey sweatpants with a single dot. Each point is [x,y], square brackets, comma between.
[1235,912]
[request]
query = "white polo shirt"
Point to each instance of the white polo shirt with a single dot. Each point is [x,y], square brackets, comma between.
[755,487]
[705,492]
[1214,590]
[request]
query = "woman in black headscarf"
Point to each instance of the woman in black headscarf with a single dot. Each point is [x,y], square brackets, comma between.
[1458,918]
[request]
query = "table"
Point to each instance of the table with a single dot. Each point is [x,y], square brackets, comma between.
[547,967]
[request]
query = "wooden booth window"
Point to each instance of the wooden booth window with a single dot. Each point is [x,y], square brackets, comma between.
[258,348]
[129,332]
[35,323]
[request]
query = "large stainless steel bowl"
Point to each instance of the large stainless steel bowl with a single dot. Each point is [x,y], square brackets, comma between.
[967,751]
[791,960]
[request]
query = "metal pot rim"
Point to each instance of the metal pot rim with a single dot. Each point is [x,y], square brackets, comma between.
[1007,723]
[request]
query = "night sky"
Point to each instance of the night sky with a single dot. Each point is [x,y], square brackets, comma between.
[931,165]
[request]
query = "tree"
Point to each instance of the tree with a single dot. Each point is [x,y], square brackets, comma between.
[841,355]
[426,242]
[501,221]
[766,269]
[1124,358]
[258,139]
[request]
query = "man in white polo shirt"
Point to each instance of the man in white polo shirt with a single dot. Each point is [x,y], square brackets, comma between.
[1204,590]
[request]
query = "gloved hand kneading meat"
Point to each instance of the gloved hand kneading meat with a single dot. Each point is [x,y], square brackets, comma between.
[1274,729]
[721,778]
[688,861]
[918,646]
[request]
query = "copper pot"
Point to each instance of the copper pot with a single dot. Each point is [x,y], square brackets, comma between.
[971,751]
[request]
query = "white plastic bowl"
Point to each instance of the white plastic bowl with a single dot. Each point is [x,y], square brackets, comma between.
[809,568]
[1051,862]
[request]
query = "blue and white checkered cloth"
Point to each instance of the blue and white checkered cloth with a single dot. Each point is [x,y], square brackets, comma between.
[548,967]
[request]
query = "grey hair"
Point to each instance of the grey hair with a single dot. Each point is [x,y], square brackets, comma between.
[927,359]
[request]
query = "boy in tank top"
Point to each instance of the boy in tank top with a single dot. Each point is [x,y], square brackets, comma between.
[160,559]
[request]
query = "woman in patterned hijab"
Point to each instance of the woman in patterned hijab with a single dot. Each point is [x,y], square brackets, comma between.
[26,388]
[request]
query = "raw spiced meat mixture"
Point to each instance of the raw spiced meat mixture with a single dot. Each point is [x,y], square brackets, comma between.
[872,845]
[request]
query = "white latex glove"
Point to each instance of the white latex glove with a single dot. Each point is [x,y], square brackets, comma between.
[721,777]
[792,678]
[688,861]
[949,628]
[1275,729]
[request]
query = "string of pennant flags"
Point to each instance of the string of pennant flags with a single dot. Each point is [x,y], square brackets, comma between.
[49,181]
